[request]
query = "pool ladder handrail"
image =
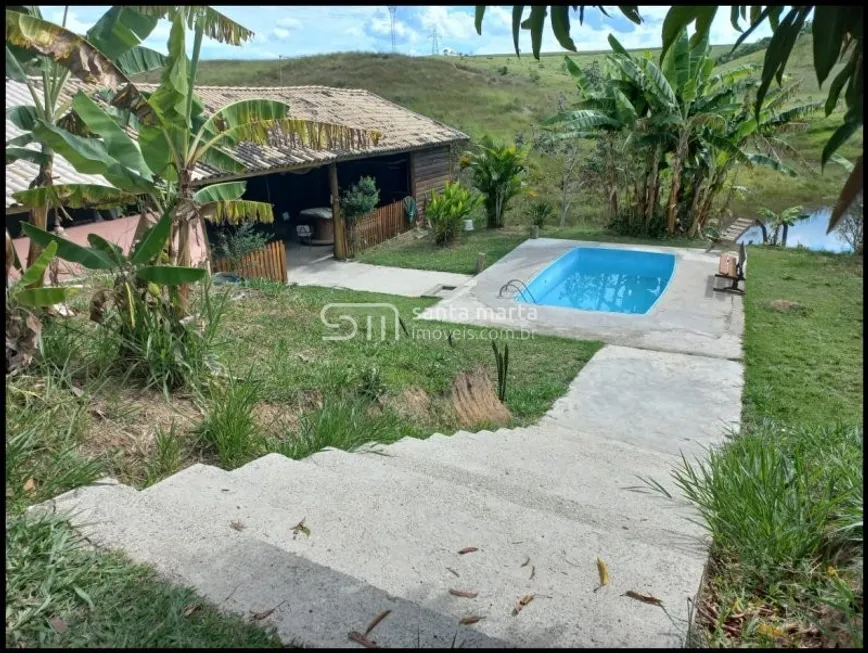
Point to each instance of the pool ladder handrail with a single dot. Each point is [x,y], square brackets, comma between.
[521,289]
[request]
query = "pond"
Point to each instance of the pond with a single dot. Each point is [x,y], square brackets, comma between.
[809,233]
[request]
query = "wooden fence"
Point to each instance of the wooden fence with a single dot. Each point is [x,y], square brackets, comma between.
[380,225]
[268,262]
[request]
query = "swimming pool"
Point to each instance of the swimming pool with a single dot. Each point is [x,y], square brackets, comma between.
[601,279]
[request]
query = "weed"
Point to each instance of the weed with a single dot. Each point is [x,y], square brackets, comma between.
[229,428]
[501,359]
[342,423]
[167,457]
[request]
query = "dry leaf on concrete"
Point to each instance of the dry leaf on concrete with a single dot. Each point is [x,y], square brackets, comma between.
[464,594]
[357,637]
[259,616]
[467,549]
[645,598]
[376,620]
[470,619]
[522,602]
[604,573]
[300,528]
[450,569]
[526,562]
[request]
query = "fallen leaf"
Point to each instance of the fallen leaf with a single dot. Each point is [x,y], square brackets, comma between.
[604,572]
[304,359]
[471,619]
[259,616]
[78,392]
[361,639]
[532,572]
[522,602]
[468,549]
[526,562]
[59,625]
[300,528]
[771,631]
[237,524]
[464,594]
[189,609]
[645,598]
[376,620]
[452,570]
[29,485]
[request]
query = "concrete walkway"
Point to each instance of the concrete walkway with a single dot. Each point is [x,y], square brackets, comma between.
[375,278]
[538,504]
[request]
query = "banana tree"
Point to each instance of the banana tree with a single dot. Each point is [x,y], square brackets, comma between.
[25,297]
[118,34]
[174,135]
[780,223]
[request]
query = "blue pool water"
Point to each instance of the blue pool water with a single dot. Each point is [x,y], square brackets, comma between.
[600,279]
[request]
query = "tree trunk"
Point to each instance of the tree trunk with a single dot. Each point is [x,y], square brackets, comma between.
[786,228]
[564,202]
[653,188]
[39,215]
[672,206]
[611,181]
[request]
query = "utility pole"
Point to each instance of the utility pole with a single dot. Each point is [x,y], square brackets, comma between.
[435,46]
[392,11]
[280,59]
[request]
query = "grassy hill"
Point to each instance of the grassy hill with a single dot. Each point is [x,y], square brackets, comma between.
[500,95]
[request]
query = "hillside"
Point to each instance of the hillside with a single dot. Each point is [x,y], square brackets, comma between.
[501,95]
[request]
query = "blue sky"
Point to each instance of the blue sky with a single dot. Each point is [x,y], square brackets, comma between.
[298,31]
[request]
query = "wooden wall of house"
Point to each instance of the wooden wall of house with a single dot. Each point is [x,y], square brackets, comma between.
[431,170]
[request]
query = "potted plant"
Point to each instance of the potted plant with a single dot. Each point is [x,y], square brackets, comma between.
[358,201]
[540,212]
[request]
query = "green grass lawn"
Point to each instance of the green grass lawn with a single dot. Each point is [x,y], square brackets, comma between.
[783,500]
[422,254]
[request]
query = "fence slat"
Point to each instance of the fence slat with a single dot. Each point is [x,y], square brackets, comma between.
[380,225]
[268,262]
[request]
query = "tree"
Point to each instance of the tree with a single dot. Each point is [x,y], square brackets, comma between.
[780,223]
[498,173]
[118,34]
[567,154]
[837,34]
[174,135]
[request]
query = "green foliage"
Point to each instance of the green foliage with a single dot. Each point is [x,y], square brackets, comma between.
[360,199]
[229,429]
[447,211]
[167,457]
[501,360]
[540,212]
[743,50]
[234,243]
[53,575]
[498,173]
[779,498]
[782,220]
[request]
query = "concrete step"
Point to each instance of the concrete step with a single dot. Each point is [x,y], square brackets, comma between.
[571,474]
[399,531]
[316,606]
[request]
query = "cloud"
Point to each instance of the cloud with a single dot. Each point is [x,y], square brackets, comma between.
[289,23]
[280,33]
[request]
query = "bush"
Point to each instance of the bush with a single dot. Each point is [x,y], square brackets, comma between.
[235,243]
[360,199]
[446,212]
[503,70]
[626,223]
[540,212]
[229,429]
[498,173]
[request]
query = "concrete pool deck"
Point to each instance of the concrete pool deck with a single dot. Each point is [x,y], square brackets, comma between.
[689,317]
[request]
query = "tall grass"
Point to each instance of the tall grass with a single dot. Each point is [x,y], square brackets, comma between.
[343,423]
[44,423]
[229,429]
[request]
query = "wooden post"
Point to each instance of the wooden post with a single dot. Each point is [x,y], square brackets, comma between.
[480,262]
[411,168]
[337,218]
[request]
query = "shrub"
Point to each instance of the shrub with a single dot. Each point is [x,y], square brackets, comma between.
[498,173]
[540,212]
[446,212]
[360,199]
[503,70]
[236,242]
[627,223]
